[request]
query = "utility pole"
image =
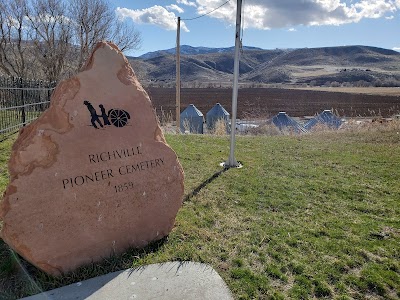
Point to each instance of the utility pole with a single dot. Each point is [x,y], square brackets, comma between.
[178,77]
[232,163]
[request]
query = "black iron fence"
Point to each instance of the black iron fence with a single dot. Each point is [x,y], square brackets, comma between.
[21,101]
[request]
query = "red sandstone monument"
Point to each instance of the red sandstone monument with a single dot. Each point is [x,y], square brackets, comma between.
[93,175]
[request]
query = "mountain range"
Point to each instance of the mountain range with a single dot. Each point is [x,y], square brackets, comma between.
[189,50]
[342,65]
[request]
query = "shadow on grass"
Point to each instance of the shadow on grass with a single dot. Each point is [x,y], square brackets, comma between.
[204,184]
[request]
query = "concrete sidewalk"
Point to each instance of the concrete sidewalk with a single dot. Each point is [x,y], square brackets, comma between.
[167,281]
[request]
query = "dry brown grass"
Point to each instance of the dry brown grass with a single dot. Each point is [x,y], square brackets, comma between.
[221,128]
[312,71]
[382,91]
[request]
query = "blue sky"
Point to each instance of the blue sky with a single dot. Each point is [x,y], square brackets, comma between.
[268,24]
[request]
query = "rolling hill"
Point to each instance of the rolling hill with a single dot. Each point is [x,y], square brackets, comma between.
[345,65]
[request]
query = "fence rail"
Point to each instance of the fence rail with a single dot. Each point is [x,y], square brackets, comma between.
[21,102]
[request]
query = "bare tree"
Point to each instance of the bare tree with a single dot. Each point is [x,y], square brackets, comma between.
[51,36]
[15,52]
[93,21]
[126,37]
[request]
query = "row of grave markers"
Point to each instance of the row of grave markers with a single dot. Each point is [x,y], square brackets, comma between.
[192,120]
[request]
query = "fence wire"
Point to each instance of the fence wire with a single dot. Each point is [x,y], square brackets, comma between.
[21,102]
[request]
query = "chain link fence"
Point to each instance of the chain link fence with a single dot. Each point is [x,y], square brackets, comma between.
[21,102]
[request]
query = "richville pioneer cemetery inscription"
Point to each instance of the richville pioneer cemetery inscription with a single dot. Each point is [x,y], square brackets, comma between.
[110,174]
[93,175]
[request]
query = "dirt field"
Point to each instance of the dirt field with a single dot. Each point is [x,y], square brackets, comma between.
[265,102]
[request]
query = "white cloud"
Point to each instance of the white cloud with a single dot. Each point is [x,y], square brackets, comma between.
[267,14]
[186,2]
[374,8]
[175,7]
[226,12]
[292,30]
[9,21]
[396,49]
[156,15]
[389,18]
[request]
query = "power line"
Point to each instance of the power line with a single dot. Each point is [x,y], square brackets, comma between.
[198,17]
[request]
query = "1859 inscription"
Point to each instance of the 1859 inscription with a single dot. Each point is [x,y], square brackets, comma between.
[123,187]
[107,174]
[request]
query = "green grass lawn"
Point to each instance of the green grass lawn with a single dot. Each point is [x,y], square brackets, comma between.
[315,216]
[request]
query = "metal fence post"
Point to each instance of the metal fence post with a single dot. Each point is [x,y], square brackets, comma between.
[23,116]
[21,101]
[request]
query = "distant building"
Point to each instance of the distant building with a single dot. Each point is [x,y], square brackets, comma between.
[286,123]
[215,114]
[327,118]
[192,120]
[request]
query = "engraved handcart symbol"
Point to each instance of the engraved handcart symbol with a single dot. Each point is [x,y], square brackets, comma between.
[115,116]
[118,117]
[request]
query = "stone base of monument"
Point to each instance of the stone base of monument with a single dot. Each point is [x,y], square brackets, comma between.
[171,280]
